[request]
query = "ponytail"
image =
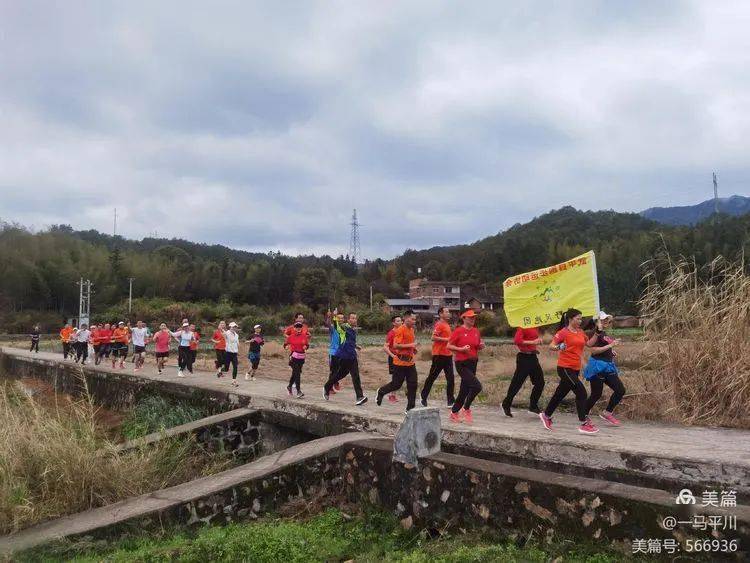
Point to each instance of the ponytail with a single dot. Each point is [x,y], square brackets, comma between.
[566,316]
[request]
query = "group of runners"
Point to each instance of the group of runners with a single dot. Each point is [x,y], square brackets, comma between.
[453,350]
[460,347]
[112,341]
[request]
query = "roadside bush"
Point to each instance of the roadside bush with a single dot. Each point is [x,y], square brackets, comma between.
[154,413]
[492,324]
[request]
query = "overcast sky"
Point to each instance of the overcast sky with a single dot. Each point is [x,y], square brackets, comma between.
[260,125]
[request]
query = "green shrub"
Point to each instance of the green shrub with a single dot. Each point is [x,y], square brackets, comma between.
[154,413]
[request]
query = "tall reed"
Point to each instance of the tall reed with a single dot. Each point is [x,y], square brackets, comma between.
[697,328]
[56,461]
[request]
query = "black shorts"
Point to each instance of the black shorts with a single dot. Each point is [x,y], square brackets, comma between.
[119,349]
[162,354]
[138,349]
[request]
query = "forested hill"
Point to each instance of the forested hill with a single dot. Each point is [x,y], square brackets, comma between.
[693,214]
[40,269]
[622,242]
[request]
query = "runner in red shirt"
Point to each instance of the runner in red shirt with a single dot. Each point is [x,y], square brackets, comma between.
[527,365]
[161,342]
[570,341]
[104,338]
[297,343]
[298,318]
[220,347]
[391,351]
[465,343]
[442,360]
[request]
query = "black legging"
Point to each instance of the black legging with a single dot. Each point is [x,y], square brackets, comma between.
[527,365]
[296,378]
[568,382]
[34,346]
[82,351]
[231,358]
[612,380]
[401,374]
[470,386]
[185,358]
[220,358]
[444,364]
[66,350]
[345,366]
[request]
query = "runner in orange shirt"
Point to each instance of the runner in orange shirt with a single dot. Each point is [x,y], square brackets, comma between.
[65,333]
[442,359]
[404,368]
[120,341]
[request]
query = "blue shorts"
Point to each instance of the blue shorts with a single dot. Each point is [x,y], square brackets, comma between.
[254,358]
[599,369]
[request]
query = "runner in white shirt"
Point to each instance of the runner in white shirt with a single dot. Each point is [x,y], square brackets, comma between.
[232,349]
[140,336]
[184,357]
[82,344]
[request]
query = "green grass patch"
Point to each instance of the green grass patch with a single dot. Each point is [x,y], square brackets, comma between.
[329,536]
[154,413]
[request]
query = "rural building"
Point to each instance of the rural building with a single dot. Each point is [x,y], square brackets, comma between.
[437,293]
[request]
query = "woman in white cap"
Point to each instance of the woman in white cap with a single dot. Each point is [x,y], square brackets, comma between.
[601,369]
[184,336]
[232,340]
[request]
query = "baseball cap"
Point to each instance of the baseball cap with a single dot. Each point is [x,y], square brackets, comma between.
[232,324]
[185,324]
[257,326]
[469,313]
[602,315]
[121,323]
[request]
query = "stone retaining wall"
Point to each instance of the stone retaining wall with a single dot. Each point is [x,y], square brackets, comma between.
[449,490]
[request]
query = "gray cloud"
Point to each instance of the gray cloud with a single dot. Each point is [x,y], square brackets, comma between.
[261,125]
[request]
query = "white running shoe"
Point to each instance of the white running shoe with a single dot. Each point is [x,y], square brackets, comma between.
[179,373]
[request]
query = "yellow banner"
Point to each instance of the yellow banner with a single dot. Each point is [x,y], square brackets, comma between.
[540,297]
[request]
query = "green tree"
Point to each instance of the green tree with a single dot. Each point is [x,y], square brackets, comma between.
[311,287]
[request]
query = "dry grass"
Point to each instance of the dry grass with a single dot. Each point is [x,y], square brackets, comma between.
[699,326]
[56,461]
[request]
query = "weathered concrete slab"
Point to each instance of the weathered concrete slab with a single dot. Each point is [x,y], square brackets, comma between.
[418,436]
[663,456]
[243,492]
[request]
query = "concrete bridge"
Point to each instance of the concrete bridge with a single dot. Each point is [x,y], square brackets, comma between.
[636,464]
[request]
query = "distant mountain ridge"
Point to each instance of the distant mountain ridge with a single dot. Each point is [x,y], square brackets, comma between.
[735,205]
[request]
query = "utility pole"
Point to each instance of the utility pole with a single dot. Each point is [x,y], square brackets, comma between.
[130,296]
[84,302]
[114,226]
[370,297]
[716,195]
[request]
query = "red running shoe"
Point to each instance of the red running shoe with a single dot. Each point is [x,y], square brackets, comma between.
[337,386]
[546,421]
[587,428]
[392,398]
[609,417]
[456,417]
[468,417]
